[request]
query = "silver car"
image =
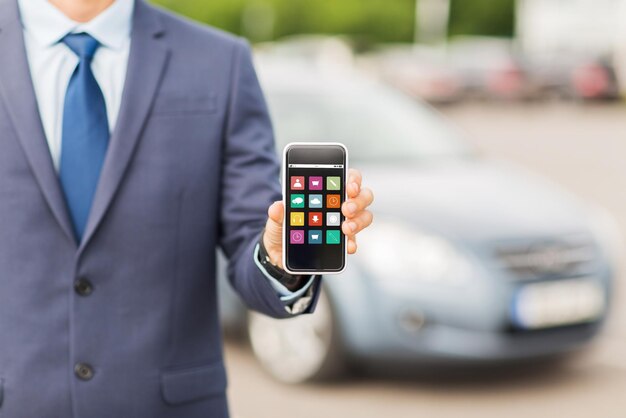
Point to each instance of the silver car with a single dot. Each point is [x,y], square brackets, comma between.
[468,259]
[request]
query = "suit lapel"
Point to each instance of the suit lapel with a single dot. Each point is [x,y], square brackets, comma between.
[16,88]
[147,61]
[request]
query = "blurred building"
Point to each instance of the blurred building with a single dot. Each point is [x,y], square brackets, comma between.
[574,46]
[582,26]
[620,49]
[592,29]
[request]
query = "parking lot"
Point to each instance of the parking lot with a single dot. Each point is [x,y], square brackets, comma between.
[581,147]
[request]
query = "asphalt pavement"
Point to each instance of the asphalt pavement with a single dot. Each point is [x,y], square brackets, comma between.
[580,147]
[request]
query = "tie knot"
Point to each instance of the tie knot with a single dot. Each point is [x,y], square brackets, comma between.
[82,44]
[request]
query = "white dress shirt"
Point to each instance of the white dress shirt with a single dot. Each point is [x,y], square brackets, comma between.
[52,63]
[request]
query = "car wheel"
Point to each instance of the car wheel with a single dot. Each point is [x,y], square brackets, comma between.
[300,349]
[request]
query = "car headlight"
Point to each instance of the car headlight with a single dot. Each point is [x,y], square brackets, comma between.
[607,233]
[400,256]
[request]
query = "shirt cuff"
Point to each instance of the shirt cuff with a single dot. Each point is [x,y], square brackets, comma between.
[286,295]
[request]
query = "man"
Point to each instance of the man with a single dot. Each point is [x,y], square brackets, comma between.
[132,144]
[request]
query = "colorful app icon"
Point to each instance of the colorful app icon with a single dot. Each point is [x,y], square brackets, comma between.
[316,201]
[333,219]
[333,183]
[333,201]
[316,183]
[297,219]
[315,236]
[333,236]
[315,219]
[297,182]
[296,236]
[297,200]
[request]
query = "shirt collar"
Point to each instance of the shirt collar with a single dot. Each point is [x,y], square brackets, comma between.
[48,25]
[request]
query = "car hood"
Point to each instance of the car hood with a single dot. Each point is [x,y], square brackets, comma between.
[475,200]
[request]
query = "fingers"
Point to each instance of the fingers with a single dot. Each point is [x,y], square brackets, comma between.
[276,212]
[352,245]
[355,225]
[353,185]
[352,190]
[354,209]
[357,204]
[354,176]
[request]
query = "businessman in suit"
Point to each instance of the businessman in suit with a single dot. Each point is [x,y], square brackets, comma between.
[132,144]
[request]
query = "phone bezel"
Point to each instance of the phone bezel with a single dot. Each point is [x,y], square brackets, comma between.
[284,187]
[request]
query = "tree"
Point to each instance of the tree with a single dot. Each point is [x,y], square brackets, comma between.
[482,17]
[375,20]
[379,20]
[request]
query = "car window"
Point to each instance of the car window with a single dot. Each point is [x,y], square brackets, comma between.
[376,124]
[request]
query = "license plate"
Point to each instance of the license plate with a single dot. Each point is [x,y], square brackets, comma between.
[563,302]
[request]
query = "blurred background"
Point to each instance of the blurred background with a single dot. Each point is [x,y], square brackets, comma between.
[494,136]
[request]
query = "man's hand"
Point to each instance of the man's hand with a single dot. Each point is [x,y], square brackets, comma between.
[354,209]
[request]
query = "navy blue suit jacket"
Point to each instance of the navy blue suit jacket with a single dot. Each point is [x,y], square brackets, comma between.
[191,166]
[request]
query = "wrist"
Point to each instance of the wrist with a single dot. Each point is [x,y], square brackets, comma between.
[291,282]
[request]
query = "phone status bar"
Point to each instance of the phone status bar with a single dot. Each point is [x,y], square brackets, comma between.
[315,165]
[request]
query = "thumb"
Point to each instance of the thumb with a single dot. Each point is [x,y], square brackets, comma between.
[276,212]
[274,226]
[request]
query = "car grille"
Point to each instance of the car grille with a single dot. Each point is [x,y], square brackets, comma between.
[547,259]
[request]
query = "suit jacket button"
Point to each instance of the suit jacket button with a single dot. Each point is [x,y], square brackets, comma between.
[83,287]
[83,371]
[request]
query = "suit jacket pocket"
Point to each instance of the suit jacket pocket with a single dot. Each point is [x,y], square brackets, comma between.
[167,104]
[189,384]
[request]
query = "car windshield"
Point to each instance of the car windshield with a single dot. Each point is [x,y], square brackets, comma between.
[377,124]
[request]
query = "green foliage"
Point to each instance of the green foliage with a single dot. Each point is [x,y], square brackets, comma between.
[374,20]
[224,14]
[378,20]
[482,17]
[383,20]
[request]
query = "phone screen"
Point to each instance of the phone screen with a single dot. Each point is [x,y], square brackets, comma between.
[314,187]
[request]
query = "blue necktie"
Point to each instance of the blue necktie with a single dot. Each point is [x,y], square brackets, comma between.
[85,133]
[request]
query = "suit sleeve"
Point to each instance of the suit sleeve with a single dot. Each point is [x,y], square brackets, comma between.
[250,184]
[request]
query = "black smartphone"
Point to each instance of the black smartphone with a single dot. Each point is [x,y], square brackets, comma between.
[314,188]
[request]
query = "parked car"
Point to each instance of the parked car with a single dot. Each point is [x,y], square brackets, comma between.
[469,259]
[322,52]
[595,79]
[586,33]
[491,68]
[419,71]
[573,76]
